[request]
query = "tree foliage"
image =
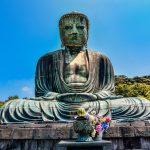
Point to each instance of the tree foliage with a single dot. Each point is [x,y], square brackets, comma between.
[1,104]
[12,98]
[8,99]
[133,87]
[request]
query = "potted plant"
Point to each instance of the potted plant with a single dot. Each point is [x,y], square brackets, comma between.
[90,126]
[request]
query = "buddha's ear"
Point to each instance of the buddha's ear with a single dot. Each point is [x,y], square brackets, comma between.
[85,45]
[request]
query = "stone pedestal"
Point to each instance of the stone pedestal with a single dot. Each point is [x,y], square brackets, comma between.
[46,136]
[73,145]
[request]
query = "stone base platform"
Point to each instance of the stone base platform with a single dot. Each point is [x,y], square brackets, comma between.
[135,135]
[73,145]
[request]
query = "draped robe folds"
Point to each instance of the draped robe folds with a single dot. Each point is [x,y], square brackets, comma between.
[49,79]
[49,75]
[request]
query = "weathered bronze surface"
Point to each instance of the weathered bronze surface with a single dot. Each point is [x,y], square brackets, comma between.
[74,77]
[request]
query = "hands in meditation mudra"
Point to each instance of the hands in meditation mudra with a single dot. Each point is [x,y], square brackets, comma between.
[74,77]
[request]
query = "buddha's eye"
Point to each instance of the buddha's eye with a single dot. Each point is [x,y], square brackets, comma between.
[80,27]
[68,27]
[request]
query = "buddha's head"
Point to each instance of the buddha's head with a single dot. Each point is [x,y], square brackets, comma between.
[74,29]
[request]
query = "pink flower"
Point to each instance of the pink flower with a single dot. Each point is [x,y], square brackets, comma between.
[98,128]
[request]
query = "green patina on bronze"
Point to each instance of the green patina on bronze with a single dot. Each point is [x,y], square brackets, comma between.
[74,77]
[74,29]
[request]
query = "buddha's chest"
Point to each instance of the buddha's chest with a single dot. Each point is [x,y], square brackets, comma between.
[76,69]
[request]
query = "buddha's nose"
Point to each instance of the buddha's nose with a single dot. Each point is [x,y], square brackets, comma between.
[74,30]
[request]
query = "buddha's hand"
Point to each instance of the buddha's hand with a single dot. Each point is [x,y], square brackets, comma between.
[47,96]
[104,95]
[37,98]
[76,97]
[50,95]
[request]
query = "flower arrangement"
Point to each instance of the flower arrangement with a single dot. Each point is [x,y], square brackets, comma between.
[98,124]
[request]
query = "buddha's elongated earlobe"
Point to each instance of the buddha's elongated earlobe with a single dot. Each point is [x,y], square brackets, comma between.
[85,46]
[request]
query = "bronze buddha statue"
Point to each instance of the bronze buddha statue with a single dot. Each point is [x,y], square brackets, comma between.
[74,77]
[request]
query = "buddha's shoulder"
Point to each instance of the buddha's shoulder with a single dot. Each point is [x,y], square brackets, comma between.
[96,53]
[50,54]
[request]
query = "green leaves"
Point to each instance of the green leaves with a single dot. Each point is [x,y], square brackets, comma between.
[1,104]
[133,87]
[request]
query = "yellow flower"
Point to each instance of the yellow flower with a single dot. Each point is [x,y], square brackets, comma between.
[92,118]
[101,119]
[104,119]
[81,112]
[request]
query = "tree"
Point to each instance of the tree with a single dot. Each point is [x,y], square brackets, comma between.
[1,104]
[12,98]
[133,87]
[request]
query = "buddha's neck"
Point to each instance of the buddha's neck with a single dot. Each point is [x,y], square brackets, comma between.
[74,50]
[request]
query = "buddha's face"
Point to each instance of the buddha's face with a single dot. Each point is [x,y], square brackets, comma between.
[74,31]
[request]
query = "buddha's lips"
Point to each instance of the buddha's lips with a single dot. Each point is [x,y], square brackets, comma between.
[74,37]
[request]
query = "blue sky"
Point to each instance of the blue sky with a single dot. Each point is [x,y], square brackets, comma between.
[29,28]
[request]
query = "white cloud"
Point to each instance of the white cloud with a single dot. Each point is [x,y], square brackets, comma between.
[26,90]
[21,88]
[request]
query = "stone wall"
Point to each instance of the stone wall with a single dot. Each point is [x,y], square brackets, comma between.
[45,136]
